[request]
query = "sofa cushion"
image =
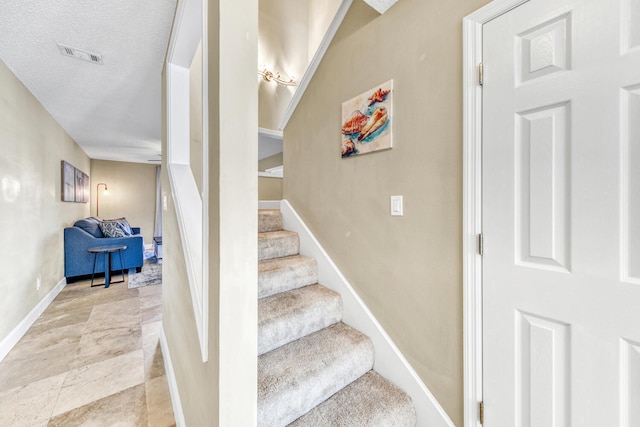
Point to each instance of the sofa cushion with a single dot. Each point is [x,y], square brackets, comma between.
[91,226]
[112,229]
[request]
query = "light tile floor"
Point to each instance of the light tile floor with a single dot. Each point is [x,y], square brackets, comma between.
[92,358]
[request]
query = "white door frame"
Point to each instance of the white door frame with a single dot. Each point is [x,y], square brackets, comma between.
[472,202]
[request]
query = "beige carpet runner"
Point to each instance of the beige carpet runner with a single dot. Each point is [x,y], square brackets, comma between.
[313,370]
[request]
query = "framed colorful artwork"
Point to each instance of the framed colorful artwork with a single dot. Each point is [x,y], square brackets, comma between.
[367,121]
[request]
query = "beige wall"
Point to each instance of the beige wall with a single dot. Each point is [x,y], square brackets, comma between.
[408,269]
[32,215]
[196,380]
[132,193]
[321,13]
[269,188]
[284,47]
[222,390]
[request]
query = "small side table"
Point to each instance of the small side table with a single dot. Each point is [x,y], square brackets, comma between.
[107,250]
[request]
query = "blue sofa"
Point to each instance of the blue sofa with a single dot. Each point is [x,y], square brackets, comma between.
[86,234]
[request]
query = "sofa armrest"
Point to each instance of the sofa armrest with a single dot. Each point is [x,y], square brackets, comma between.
[126,241]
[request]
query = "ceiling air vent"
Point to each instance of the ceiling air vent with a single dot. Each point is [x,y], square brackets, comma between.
[80,54]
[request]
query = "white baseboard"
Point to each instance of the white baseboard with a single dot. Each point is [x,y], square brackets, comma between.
[176,403]
[389,362]
[18,332]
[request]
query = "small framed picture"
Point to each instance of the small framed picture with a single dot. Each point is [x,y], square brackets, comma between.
[68,182]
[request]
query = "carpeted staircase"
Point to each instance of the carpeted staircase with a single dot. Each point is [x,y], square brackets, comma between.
[313,370]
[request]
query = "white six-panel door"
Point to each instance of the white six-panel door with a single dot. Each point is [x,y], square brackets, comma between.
[561,215]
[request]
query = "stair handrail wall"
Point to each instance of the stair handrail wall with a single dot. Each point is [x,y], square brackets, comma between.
[389,361]
[191,205]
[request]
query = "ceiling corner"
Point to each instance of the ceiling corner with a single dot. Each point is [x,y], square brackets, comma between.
[381,5]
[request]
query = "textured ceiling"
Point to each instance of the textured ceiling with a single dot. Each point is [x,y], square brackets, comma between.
[111,110]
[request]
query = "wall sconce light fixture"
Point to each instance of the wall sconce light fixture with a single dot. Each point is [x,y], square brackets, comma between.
[98,196]
[275,76]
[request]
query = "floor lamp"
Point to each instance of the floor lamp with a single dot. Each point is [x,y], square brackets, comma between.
[98,196]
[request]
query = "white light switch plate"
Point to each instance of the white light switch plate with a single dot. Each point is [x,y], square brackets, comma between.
[396,206]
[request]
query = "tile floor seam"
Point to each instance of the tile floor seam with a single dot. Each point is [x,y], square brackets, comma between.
[84,326]
[149,382]
[53,407]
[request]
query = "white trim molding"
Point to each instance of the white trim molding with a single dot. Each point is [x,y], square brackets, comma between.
[276,172]
[315,62]
[269,133]
[10,341]
[472,203]
[270,175]
[189,30]
[176,403]
[389,361]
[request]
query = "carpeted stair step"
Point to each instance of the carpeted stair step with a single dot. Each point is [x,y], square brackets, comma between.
[284,274]
[275,244]
[295,378]
[269,220]
[288,316]
[369,401]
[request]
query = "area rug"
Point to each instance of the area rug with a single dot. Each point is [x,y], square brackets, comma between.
[151,274]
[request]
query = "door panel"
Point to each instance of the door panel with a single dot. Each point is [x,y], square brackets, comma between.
[631,24]
[630,384]
[561,214]
[542,370]
[544,49]
[631,184]
[542,184]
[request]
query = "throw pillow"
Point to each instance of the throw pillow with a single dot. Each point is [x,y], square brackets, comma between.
[112,229]
[125,225]
[91,226]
